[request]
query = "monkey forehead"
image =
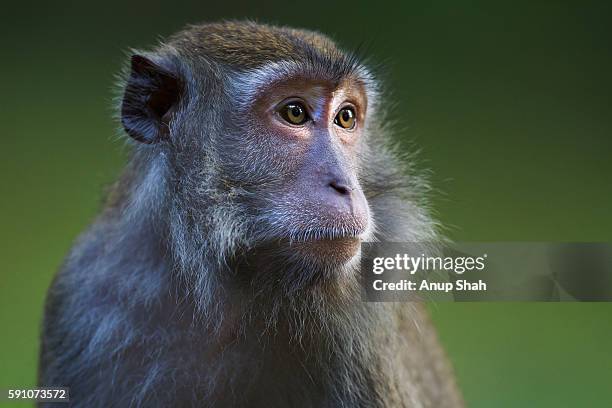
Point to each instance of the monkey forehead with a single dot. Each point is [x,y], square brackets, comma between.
[247,85]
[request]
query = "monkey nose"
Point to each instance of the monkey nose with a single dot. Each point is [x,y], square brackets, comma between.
[345,200]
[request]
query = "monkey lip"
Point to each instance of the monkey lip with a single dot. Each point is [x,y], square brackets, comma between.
[328,234]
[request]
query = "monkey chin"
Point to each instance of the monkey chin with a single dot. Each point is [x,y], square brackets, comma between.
[329,252]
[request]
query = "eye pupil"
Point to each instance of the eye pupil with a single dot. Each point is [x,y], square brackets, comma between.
[296,111]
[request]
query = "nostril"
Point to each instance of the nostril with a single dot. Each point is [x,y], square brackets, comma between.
[340,188]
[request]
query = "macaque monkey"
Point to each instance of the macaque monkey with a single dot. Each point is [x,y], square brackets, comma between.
[223,270]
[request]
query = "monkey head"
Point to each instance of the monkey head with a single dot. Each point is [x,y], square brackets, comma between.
[261,137]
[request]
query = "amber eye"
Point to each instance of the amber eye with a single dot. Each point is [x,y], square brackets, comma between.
[294,113]
[345,118]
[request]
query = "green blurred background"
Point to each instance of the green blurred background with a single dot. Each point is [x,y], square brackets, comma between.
[510,104]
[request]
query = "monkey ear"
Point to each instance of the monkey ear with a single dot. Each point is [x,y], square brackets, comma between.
[150,96]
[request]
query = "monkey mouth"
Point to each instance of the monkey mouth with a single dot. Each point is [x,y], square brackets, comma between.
[328,246]
[331,243]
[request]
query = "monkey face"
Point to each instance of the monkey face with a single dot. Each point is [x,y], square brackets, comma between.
[301,137]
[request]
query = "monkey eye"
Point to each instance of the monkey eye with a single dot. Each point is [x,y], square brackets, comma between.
[345,118]
[294,113]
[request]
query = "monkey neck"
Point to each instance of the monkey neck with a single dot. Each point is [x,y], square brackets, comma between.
[319,323]
[333,345]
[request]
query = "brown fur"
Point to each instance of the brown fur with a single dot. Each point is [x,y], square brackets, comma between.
[249,45]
